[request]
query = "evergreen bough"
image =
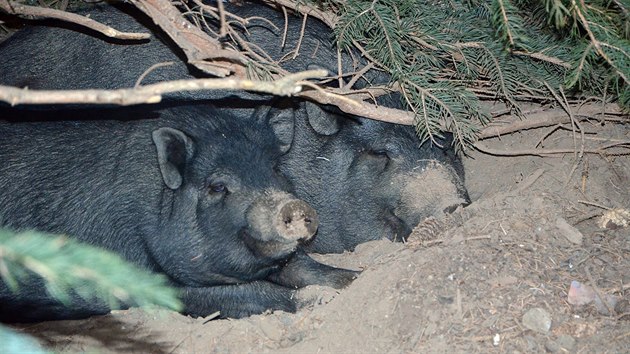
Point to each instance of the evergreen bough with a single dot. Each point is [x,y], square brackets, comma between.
[446,55]
[67,266]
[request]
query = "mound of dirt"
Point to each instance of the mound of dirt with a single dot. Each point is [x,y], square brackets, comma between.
[495,276]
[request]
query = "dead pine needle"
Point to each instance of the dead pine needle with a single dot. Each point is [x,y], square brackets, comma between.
[299,43]
[149,70]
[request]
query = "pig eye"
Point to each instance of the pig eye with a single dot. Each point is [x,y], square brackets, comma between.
[379,153]
[217,187]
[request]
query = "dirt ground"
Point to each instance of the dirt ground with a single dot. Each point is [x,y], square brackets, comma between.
[493,277]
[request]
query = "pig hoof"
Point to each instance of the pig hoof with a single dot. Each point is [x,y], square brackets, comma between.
[340,278]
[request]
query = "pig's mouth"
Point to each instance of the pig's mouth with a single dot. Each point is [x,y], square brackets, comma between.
[398,228]
[272,249]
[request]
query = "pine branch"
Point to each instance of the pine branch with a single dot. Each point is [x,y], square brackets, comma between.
[580,12]
[67,266]
[502,21]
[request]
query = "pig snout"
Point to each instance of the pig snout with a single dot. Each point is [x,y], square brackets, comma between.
[277,222]
[296,220]
[434,191]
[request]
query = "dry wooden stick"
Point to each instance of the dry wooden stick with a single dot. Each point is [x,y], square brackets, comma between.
[286,26]
[359,108]
[286,86]
[223,30]
[35,12]
[357,75]
[545,119]
[149,70]
[549,152]
[296,52]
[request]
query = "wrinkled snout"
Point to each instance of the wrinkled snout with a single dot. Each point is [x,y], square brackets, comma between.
[277,222]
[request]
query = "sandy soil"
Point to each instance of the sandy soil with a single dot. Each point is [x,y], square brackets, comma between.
[494,277]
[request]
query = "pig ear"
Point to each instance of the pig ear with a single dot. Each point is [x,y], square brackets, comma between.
[174,150]
[282,122]
[322,122]
[281,119]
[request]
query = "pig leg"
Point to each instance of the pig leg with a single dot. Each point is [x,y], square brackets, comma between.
[32,303]
[302,270]
[239,300]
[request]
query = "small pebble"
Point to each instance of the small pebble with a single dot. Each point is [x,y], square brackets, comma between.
[496,339]
[571,233]
[622,306]
[552,346]
[532,344]
[537,320]
[566,342]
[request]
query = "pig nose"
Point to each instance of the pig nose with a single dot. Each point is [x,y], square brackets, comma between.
[277,222]
[279,217]
[299,220]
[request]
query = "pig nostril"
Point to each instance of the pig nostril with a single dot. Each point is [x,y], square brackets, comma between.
[452,208]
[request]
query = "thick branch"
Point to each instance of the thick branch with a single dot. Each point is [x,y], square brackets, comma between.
[545,119]
[287,86]
[202,51]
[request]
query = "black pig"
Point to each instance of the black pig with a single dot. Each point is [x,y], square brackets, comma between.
[366,188]
[192,194]
[366,179]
